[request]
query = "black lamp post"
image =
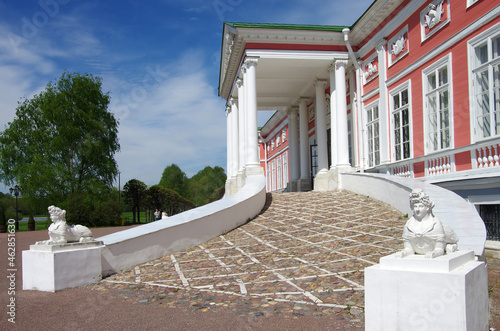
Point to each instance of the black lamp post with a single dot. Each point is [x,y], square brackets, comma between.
[16,190]
[119,194]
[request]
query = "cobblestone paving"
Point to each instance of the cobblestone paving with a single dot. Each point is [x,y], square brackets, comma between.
[303,255]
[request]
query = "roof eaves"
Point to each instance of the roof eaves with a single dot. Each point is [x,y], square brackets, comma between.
[334,28]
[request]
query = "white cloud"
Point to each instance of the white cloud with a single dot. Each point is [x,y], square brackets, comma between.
[181,121]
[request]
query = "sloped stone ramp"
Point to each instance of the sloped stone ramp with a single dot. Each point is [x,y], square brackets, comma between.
[303,255]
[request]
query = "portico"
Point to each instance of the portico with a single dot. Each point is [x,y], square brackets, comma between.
[262,70]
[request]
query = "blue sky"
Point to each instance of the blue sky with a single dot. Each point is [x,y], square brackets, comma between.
[158,59]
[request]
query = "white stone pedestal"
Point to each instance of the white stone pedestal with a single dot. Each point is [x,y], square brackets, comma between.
[449,292]
[51,268]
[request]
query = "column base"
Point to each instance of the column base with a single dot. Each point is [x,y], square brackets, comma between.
[227,188]
[254,170]
[234,186]
[292,186]
[321,181]
[240,180]
[304,184]
[335,176]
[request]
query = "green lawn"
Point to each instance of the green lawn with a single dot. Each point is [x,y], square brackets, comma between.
[44,225]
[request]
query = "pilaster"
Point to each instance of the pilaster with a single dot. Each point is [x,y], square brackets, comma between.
[385,156]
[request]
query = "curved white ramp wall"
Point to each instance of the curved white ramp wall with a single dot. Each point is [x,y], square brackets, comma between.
[450,208]
[147,242]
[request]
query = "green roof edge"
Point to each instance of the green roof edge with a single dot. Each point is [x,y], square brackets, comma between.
[335,28]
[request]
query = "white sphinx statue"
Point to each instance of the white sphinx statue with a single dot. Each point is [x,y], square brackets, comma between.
[424,233]
[61,233]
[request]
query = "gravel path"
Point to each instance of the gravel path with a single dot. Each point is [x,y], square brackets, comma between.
[298,265]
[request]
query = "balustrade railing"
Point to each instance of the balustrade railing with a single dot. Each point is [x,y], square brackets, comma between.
[439,165]
[483,155]
[486,156]
[403,170]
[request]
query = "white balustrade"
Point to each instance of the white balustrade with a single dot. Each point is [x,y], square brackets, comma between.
[404,170]
[439,165]
[487,156]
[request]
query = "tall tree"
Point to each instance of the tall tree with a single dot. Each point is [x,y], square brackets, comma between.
[135,193]
[202,185]
[174,179]
[62,140]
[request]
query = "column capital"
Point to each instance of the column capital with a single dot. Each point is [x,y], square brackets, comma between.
[341,63]
[381,45]
[250,61]
[292,110]
[233,100]
[228,110]
[302,99]
[239,82]
[319,82]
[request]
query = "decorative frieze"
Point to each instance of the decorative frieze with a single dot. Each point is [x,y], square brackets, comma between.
[398,46]
[370,68]
[434,17]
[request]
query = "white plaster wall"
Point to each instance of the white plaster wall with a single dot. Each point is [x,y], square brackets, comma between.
[147,242]
[450,208]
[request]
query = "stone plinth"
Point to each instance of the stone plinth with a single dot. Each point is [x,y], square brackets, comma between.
[449,292]
[51,268]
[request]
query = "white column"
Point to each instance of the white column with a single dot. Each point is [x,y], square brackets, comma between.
[293,144]
[305,170]
[342,133]
[229,142]
[385,156]
[250,84]
[321,125]
[235,137]
[333,115]
[241,125]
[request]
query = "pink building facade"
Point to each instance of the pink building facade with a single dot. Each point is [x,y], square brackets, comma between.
[411,89]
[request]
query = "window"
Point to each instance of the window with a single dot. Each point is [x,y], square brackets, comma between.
[491,217]
[373,130]
[400,106]
[485,62]
[437,104]
[279,178]
[273,176]
[269,175]
[285,169]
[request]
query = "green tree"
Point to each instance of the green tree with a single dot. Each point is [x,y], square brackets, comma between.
[134,192]
[157,197]
[62,140]
[174,179]
[6,210]
[202,185]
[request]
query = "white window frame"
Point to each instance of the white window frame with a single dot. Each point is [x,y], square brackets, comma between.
[434,69]
[273,176]
[279,173]
[397,91]
[371,122]
[285,169]
[487,37]
[471,2]
[269,177]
